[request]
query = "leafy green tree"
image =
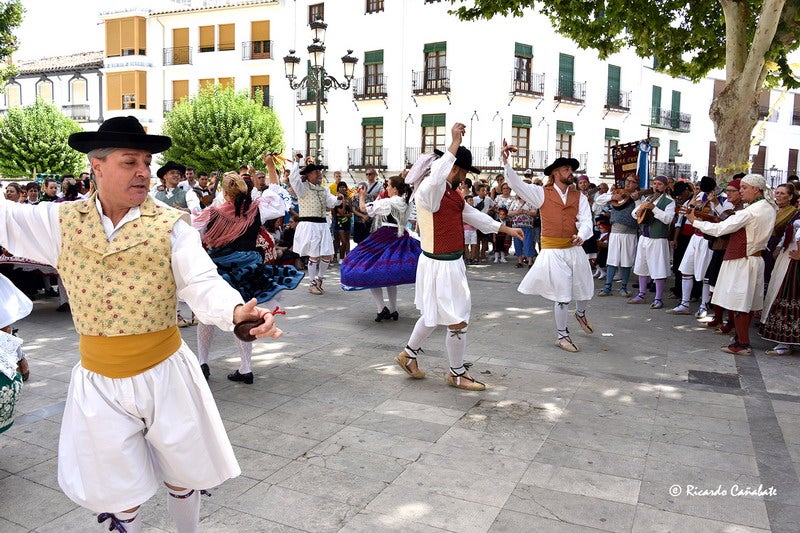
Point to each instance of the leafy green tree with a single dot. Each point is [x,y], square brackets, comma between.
[750,39]
[222,129]
[10,17]
[35,138]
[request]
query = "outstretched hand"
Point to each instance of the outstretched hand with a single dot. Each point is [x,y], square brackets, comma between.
[250,311]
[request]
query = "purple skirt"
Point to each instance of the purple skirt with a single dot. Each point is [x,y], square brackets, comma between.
[381,260]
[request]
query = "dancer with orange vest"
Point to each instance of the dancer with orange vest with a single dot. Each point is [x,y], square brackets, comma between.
[562,272]
[442,292]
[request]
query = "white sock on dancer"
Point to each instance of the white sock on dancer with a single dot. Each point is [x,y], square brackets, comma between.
[184,507]
[560,314]
[130,521]
[455,341]
[205,335]
[706,294]
[391,293]
[245,355]
[580,307]
[323,267]
[420,334]
[313,268]
[686,290]
[377,294]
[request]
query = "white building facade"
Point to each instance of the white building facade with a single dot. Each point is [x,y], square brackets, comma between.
[420,70]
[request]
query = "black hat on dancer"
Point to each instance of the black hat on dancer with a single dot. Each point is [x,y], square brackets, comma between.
[464,160]
[119,132]
[707,184]
[308,169]
[171,165]
[562,162]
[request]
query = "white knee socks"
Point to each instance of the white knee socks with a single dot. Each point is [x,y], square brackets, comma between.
[377,294]
[686,290]
[205,334]
[245,355]
[323,266]
[391,293]
[420,333]
[560,314]
[184,507]
[456,343]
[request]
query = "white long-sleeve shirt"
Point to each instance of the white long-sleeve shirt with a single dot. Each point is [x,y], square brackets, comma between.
[534,195]
[430,192]
[35,232]
[301,187]
[665,215]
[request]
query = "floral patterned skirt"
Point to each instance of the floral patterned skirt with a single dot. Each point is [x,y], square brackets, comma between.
[782,323]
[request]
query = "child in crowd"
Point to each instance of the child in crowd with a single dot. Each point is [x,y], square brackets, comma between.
[502,242]
[470,239]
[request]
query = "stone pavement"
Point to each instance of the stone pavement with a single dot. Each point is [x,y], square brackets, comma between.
[332,436]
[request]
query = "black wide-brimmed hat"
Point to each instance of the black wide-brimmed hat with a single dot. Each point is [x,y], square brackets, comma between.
[119,132]
[171,165]
[562,162]
[464,160]
[308,169]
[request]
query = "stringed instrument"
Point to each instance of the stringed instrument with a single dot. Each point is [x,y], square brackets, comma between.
[624,198]
[645,215]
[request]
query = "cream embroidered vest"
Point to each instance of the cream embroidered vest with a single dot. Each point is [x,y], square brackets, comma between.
[122,287]
[312,204]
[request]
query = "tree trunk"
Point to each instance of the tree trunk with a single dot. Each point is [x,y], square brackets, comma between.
[734,114]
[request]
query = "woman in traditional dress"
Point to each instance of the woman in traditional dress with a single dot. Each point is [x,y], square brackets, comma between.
[782,303]
[785,198]
[230,233]
[388,257]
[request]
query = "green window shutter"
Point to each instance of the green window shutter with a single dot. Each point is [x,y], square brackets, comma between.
[612,134]
[676,101]
[435,47]
[372,121]
[673,149]
[520,121]
[311,127]
[373,57]
[429,121]
[656,97]
[613,85]
[564,128]
[566,75]
[654,142]
[523,50]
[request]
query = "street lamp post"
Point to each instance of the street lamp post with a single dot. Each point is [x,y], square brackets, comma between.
[318,80]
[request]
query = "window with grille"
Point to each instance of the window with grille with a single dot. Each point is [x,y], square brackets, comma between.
[316,12]
[373,143]
[78,93]
[563,145]
[523,63]
[13,94]
[435,69]
[520,137]
[44,91]
[374,6]
[373,78]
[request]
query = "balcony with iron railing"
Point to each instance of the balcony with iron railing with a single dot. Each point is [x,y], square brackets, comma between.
[618,101]
[374,157]
[179,55]
[76,111]
[571,92]
[370,87]
[412,153]
[431,81]
[307,96]
[526,83]
[256,50]
[673,170]
[666,118]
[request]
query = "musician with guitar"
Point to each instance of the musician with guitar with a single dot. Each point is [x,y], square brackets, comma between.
[654,216]
[704,206]
[624,230]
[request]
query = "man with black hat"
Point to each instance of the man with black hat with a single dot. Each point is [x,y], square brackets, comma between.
[441,291]
[313,237]
[698,254]
[174,195]
[138,411]
[561,273]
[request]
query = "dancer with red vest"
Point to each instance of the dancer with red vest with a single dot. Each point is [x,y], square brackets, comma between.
[442,292]
[562,272]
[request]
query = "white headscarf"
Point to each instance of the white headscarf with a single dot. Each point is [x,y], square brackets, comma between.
[759,182]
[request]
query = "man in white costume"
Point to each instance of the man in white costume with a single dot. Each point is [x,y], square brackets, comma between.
[652,252]
[138,411]
[740,285]
[562,272]
[313,237]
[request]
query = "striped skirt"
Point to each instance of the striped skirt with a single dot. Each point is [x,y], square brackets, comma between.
[381,260]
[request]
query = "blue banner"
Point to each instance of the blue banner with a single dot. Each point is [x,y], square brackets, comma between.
[643,165]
